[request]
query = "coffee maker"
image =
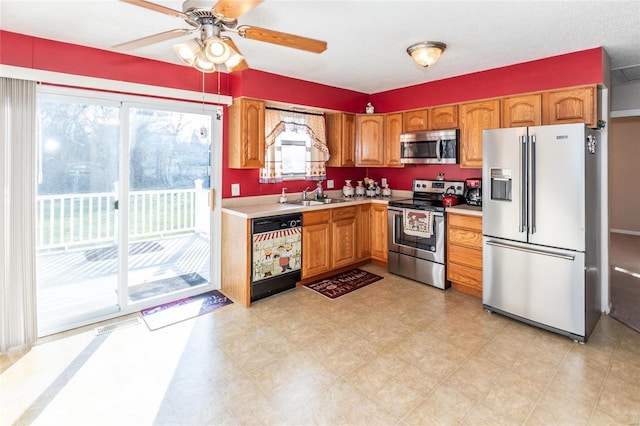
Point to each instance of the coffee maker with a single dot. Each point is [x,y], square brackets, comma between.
[473,192]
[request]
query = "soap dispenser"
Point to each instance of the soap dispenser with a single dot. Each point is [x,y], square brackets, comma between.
[319,191]
[283,197]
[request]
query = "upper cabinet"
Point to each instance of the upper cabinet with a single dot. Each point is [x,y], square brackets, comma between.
[443,117]
[370,140]
[392,132]
[521,111]
[246,134]
[474,118]
[576,105]
[341,134]
[414,121]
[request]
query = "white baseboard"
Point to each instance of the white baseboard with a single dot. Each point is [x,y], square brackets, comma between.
[624,231]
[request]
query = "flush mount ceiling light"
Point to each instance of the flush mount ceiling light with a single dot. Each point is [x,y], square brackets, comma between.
[426,53]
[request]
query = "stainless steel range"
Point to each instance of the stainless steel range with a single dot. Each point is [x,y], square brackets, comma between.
[417,232]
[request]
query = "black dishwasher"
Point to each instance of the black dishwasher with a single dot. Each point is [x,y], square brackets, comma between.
[276,255]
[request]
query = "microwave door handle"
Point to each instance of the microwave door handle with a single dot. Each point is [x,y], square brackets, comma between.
[438,149]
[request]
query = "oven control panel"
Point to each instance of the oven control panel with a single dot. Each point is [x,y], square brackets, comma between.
[425,186]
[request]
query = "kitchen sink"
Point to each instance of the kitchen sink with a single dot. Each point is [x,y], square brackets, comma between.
[315,202]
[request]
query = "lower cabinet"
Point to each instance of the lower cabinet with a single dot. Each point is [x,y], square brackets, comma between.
[464,253]
[363,232]
[316,242]
[335,238]
[343,236]
[379,243]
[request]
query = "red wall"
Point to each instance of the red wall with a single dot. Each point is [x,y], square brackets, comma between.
[577,68]
[37,53]
[572,69]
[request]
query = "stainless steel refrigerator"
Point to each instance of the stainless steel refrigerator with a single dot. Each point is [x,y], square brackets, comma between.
[541,226]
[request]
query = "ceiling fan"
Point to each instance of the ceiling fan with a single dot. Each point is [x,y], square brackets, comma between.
[211,48]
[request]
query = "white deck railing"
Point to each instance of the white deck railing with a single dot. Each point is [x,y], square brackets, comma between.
[69,220]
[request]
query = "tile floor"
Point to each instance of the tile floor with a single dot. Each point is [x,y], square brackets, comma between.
[393,353]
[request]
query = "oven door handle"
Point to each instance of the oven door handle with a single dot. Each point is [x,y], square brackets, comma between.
[399,210]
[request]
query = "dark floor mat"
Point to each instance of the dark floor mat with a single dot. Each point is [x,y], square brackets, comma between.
[106,253]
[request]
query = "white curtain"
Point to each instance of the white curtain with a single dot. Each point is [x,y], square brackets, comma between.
[18,327]
[313,125]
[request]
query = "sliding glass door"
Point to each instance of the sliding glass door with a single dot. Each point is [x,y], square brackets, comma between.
[76,220]
[168,232]
[123,207]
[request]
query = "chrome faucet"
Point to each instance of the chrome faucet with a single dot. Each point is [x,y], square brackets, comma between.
[305,193]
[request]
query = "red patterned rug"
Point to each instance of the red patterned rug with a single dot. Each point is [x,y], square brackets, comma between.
[341,284]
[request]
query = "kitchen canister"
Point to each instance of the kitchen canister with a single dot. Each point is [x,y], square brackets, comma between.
[347,189]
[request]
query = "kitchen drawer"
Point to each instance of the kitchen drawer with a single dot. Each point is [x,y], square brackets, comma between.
[463,274]
[316,216]
[343,213]
[464,221]
[465,256]
[465,237]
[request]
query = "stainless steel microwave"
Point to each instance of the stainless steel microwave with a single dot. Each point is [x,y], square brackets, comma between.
[430,147]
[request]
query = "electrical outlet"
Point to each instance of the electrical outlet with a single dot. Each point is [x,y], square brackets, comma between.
[235,189]
[384,181]
[330,184]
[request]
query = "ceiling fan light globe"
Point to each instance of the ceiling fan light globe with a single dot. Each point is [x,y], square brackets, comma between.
[217,51]
[233,61]
[203,64]
[187,51]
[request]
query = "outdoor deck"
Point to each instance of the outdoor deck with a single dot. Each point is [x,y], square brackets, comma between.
[85,280]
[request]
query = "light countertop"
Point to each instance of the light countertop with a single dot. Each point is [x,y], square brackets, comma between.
[465,209]
[268,205]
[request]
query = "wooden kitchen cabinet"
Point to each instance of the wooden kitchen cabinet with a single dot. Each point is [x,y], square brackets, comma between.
[341,138]
[521,111]
[236,258]
[464,253]
[392,131]
[246,134]
[343,236]
[379,243]
[316,242]
[443,117]
[370,140]
[414,121]
[575,105]
[363,232]
[474,118]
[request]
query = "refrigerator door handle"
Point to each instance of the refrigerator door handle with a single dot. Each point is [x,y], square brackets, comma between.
[523,184]
[535,251]
[533,184]
[438,149]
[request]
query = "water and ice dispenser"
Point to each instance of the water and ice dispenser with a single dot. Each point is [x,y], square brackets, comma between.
[500,184]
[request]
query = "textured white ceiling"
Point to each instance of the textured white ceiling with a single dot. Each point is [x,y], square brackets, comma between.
[367,40]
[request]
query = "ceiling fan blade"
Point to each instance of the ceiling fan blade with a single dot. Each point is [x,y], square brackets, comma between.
[235,8]
[156,38]
[283,39]
[242,65]
[157,8]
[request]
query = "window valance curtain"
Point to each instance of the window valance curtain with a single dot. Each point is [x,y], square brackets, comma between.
[18,328]
[313,125]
